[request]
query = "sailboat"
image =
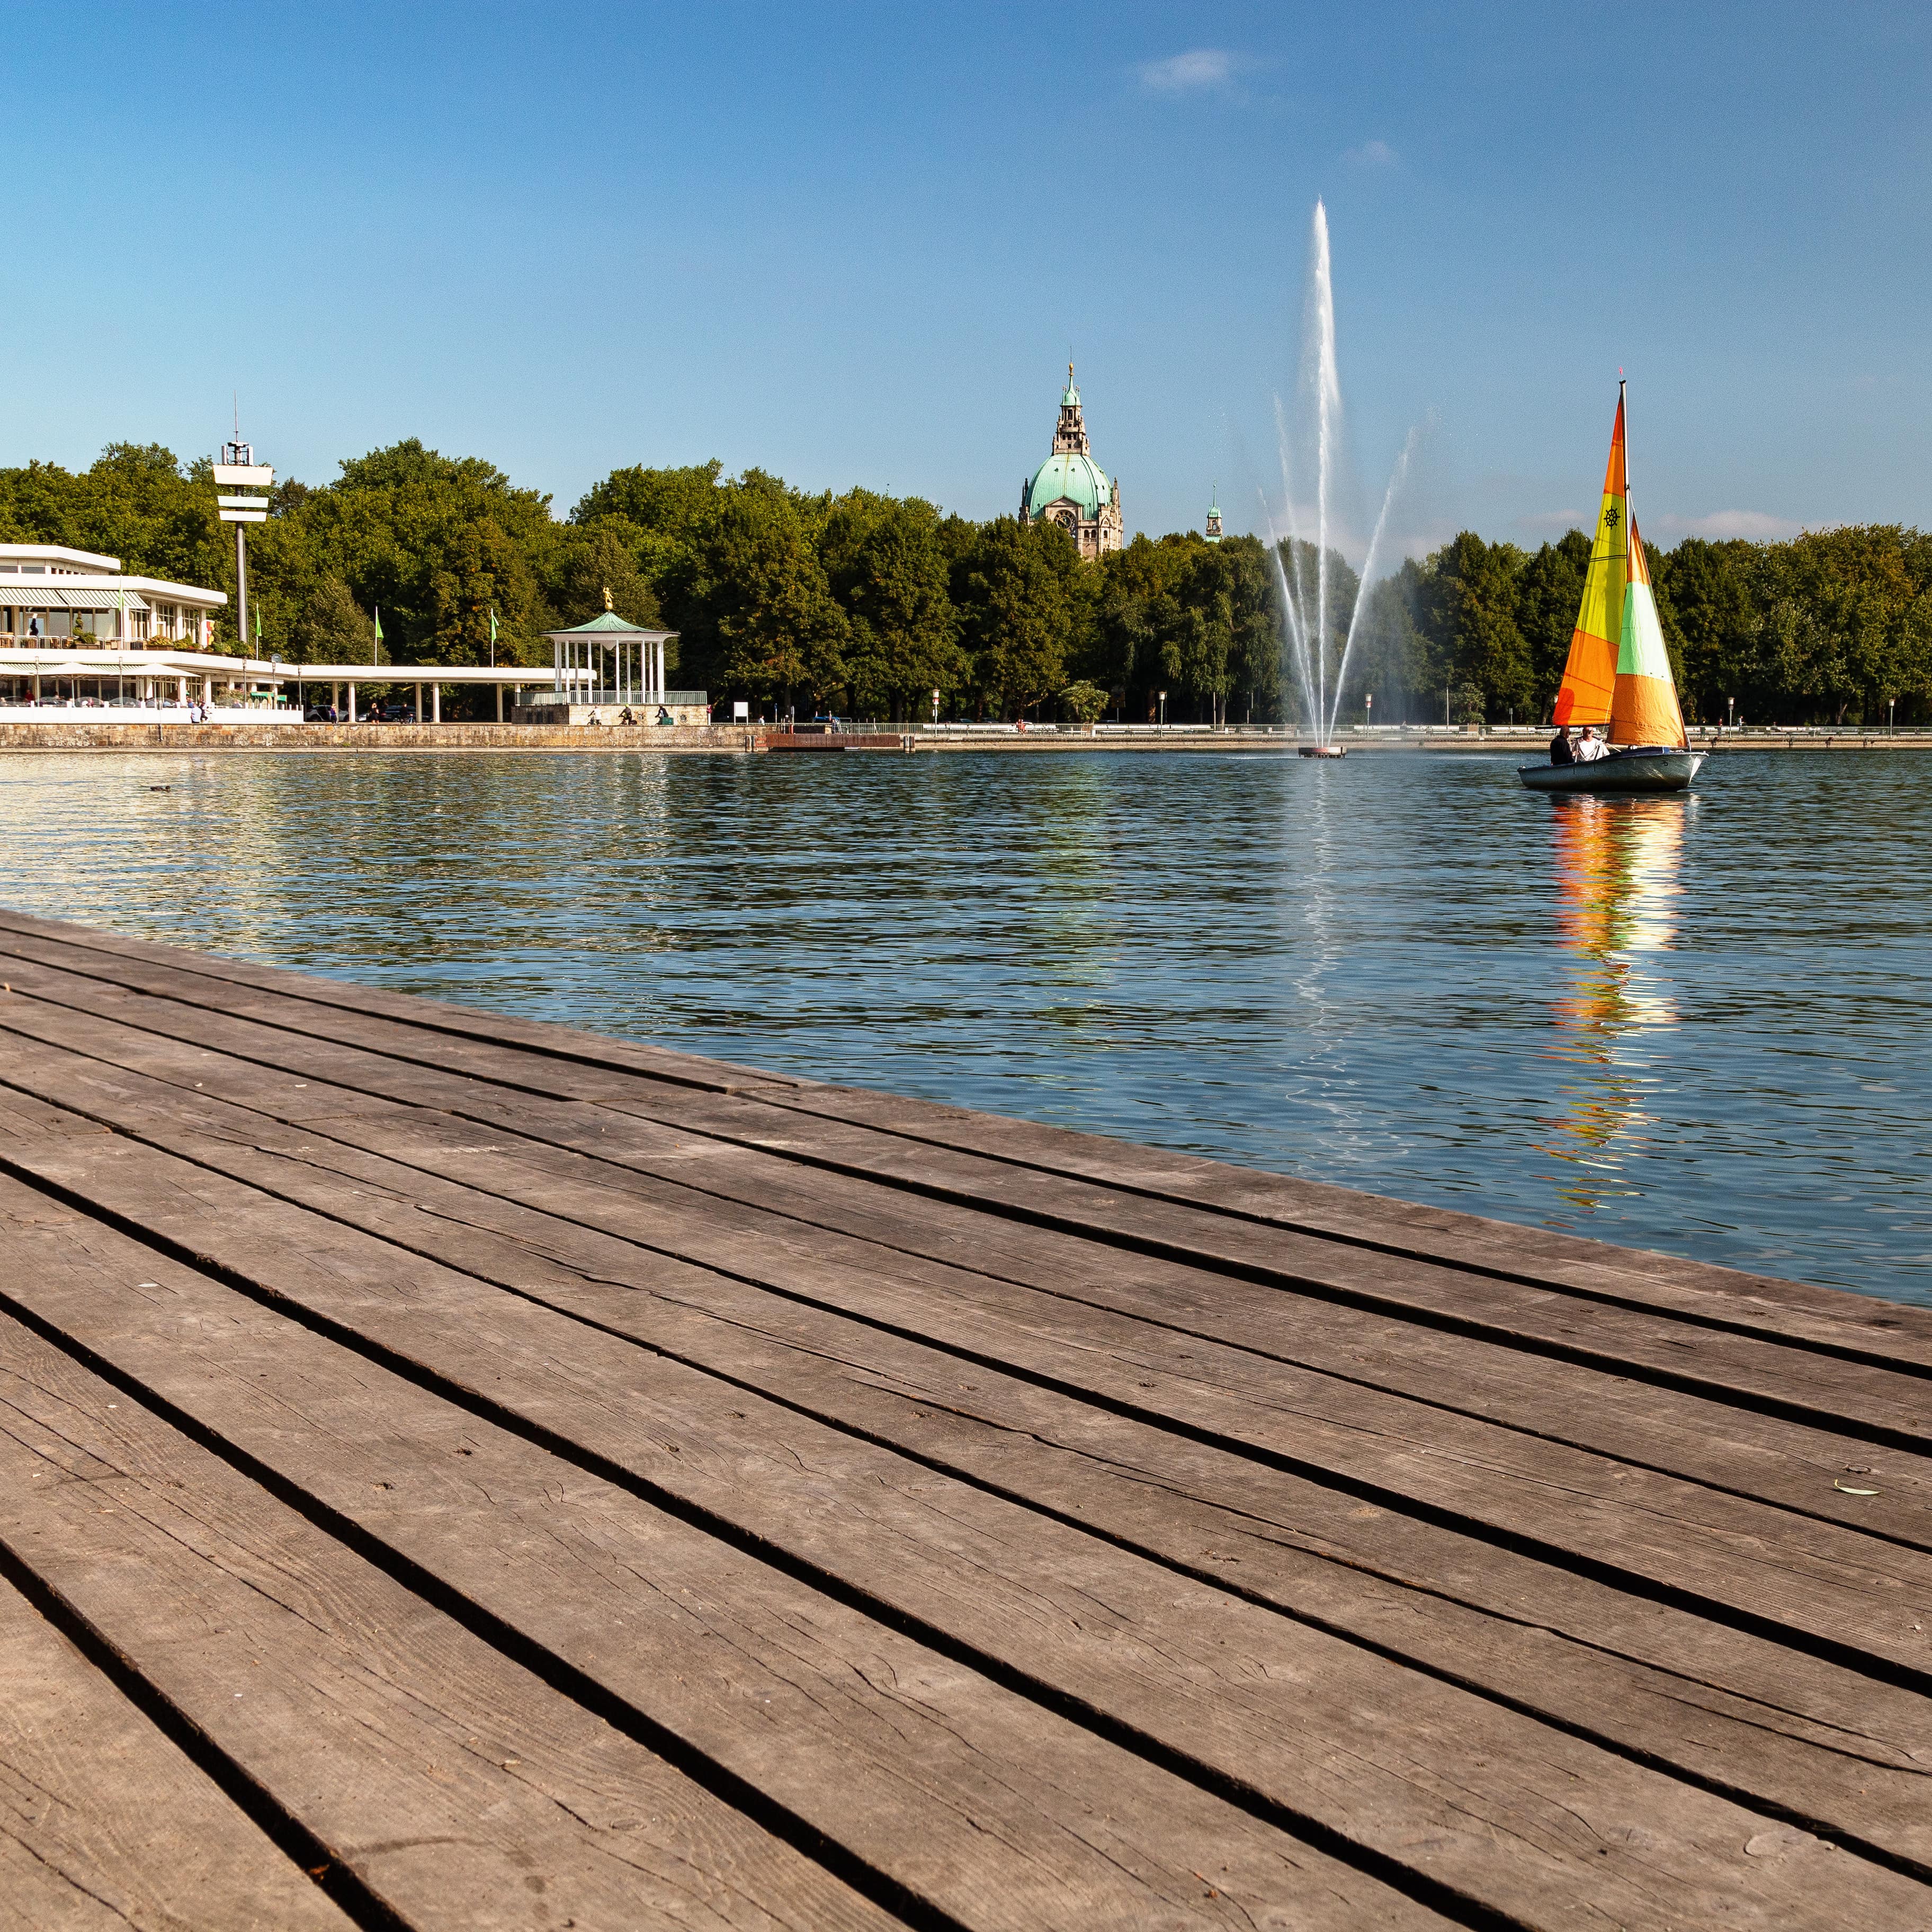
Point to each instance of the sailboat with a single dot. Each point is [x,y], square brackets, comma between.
[1618,673]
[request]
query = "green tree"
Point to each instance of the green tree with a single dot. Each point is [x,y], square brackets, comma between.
[1548,594]
[1023,607]
[1468,599]
[886,565]
[330,629]
[594,558]
[1084,703]
[755,611]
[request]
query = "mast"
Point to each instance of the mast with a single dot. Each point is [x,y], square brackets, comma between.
[1644,705]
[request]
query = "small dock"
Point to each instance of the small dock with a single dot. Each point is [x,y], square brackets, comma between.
[460,1473]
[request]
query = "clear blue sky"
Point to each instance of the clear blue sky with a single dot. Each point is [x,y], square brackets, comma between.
[852,244]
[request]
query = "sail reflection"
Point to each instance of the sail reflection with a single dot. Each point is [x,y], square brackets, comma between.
[1617,863]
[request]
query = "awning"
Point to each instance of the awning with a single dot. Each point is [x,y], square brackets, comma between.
[38,594]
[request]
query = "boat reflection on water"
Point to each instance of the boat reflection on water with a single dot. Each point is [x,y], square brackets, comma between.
[1617,863]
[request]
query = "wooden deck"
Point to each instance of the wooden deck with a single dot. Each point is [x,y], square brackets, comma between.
[460,1473]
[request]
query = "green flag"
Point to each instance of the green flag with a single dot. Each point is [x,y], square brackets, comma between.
[258,623]
[493,637]
[376,656]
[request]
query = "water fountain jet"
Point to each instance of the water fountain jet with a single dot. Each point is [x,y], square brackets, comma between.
[1307,639]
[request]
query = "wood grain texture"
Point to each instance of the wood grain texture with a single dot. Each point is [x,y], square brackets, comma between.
[389,1731]
[105,1823]
[964,1203]
[1327,1731]
[1036,1530]
[1792,1729]
[1828,1581]
[1726,1445]
[1695,1291]
[997,1811]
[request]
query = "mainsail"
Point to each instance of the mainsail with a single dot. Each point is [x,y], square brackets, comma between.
[1618,673]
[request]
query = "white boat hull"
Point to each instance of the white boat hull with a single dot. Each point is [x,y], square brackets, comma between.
[1622,771]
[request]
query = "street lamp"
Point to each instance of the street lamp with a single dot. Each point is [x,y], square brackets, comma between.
[935,708]
[1369,703]
[1163,707]
[1891,712]
[1731,713]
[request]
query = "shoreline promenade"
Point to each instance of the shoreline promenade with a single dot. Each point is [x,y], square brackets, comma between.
[459,1472]
[81,730]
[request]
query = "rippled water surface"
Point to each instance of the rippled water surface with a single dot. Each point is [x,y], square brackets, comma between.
[1699,1024]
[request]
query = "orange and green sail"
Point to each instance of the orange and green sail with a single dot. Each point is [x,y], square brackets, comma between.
[1618,673]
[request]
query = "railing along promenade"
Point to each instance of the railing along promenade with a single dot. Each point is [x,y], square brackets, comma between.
[50,727]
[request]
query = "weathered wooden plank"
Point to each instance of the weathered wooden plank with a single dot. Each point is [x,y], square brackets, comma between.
[104,1823]
[1724,1298]
[1729,1447]
[952,1220]
[387,1730]
[1778,1376]
[1873,1789]
[976,1800]
[1841,1589]
[1339,1756]
[457,1023]
[1701,1292]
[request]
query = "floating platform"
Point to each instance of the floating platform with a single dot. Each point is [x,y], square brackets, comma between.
[458,1472]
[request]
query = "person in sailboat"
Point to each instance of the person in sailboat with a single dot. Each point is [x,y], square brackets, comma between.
[1588,748]
[1560,753]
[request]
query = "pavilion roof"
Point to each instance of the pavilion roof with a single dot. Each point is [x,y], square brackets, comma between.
[608,624]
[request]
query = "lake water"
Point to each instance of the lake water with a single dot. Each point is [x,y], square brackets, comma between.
[1699,1024]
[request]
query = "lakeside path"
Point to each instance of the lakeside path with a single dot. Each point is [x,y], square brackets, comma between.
[74,733]
[510,1476]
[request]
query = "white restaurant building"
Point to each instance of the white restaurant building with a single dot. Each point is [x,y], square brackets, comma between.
[76,634]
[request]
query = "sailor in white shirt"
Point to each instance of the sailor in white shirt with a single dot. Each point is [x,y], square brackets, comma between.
[1589,748]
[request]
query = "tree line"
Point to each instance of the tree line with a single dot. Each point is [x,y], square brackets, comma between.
[865,604]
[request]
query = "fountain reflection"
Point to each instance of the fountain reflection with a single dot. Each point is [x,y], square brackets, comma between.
[1617,864]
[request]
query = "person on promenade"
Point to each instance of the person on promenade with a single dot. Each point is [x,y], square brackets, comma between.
[1560,753]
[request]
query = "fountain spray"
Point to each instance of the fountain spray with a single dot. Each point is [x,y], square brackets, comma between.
[1305,617]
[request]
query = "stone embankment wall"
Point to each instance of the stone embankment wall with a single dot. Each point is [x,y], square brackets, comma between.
[74,735]
[77,736]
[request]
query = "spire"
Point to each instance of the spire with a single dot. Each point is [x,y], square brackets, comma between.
[1214,516]
[1070,434]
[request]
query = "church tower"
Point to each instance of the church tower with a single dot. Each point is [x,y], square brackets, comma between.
[1070,434]
[1214,517]
[1071,488]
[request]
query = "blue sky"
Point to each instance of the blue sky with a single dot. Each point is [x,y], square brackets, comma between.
[854,243]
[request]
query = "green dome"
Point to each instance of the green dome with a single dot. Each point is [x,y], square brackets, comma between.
[1070,475]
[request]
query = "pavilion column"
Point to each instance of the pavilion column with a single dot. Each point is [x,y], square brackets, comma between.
[499,704]
[352,703]
[436,704]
